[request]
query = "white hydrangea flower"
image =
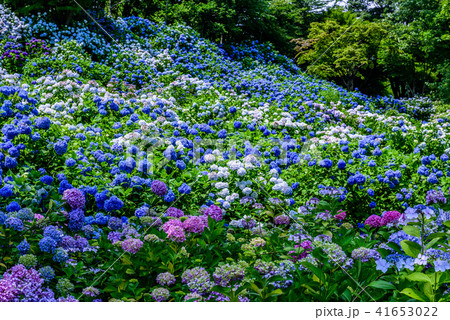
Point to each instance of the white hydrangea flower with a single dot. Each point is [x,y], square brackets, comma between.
[241,172]
[221,185]
[209,158]
[234,164]
[224,192]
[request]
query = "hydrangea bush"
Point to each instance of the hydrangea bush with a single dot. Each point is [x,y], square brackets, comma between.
[158,166]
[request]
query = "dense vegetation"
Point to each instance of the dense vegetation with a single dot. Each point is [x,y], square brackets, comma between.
[151,164]
[381,47]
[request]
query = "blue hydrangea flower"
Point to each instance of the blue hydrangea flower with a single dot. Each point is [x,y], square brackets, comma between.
[60,147]
[47,244]
[23,247]
[13,206]
[60,255]
[184,189]
[113,204]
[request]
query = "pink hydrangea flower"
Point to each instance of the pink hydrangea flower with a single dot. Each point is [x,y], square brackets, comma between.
[341,215]
[176,233]
[390,217]
[172,222]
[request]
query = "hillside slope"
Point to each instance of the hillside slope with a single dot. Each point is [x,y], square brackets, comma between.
[247,163]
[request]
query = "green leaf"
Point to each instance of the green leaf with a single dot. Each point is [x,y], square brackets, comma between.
[432,242]
[447,224]
[381,284]
[437,235]
[319,273]
[412,231]
[395,247]
[419,277]
[255,288]
[276,292]
[415,294]
[411,248]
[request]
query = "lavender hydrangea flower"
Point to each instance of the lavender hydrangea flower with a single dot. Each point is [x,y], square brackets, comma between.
[91,291]
[197,280]
[132,245]
[441,265]
[160,294]
[165,279]
[382,265]
[435,196]
[365,254]
[20,284]
[176,233]
[225,274]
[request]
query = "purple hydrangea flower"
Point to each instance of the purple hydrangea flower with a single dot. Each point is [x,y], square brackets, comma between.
[373,221]
[214,212]
[194,224]
[75,198]
[159,187]
[282,220]
[22,284]
[174,212]
[197,280]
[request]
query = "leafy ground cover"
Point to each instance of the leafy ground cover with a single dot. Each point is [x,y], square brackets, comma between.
[140,162]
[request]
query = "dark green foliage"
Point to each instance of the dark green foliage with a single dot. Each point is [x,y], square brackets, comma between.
[60,11]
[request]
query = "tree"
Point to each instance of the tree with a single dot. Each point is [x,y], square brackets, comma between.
[371,9]
[343,48]
[418,46]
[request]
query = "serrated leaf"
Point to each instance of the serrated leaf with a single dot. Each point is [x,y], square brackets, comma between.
[432,242]
[415,294]
[411,248]
[394,246]
[316,271]
[412,231]
[381,284]
[437,235]
[418,276]
[255,288]
[276,292]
